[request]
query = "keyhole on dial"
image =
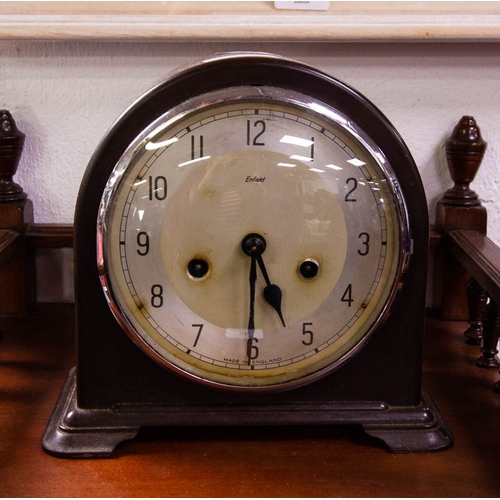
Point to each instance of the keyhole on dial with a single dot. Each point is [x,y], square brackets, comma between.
[198,268]
[309,269]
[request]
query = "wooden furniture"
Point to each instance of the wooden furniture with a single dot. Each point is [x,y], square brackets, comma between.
[470,260]
[459,208]
[18,234]
[16,212]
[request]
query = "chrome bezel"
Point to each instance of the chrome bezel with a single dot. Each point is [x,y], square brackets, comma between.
[240,94]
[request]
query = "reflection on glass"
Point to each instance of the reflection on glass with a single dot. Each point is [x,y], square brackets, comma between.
[190,162]
[300,158]
[297,141]
[157,145]
[356,162]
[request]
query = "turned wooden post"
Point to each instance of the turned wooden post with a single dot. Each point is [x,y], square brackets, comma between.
[491,319]
[16,211]
[476,300]
[460,208]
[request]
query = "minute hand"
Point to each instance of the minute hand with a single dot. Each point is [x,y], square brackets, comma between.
[272,292]
[251,319]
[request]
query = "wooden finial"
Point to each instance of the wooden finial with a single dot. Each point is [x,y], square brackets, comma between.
[464,152]
[11,148]
[460,207]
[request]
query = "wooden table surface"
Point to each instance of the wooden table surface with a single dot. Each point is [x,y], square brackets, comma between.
[36,354]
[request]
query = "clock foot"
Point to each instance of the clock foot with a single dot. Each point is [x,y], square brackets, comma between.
[412,430]
[92,438]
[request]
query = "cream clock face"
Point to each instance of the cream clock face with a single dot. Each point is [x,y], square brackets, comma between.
[251,239]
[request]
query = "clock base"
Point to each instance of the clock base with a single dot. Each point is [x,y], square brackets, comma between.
[74,432]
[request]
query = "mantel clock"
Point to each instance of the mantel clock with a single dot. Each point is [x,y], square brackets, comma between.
[251,245]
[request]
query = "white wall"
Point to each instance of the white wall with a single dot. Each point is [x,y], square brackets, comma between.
[65,95]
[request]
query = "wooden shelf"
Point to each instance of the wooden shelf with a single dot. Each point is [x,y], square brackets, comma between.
[250,21]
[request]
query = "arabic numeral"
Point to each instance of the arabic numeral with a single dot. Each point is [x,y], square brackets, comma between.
[354,182]
[309,333]
[193,147]
[200,328]
[347,297]
[156,296]
[143,243]
[157,187]
[260,125]
[252,349]
[365,241]
[312,148]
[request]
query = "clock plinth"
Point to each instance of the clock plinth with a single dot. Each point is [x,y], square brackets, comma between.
[78,433]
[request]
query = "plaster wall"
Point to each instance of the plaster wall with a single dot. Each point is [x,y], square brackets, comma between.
[65,95]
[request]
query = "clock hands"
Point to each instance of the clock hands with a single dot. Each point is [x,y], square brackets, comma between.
[272,292]
[251,321]
[254,246]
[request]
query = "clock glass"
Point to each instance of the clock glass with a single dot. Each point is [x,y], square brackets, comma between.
[252,238]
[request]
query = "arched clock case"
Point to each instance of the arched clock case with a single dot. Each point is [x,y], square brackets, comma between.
[251,243]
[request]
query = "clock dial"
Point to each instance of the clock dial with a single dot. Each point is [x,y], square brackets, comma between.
[252,238]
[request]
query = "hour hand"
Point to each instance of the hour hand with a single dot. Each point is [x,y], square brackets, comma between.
[272,292]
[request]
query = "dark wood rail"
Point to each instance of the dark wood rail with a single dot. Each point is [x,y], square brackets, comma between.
[61,236]
[9,245]
[50,235]
[479,256]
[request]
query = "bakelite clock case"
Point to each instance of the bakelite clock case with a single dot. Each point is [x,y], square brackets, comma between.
[116,387]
